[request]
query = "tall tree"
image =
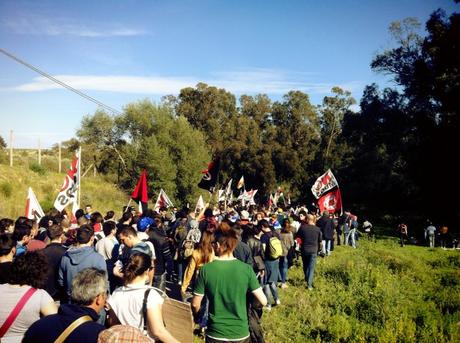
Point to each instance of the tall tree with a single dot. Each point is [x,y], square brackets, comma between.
[334,147]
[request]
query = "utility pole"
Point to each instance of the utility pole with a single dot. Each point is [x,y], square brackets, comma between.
[11,148]
[39,153]
[59,157]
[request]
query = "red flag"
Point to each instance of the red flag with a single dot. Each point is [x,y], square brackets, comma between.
[140,192]
[331,201]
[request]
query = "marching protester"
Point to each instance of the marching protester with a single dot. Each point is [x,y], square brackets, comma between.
[311,238]
[402,231]
[225,282]
[77,258]
[75,322]
[24,300]
[287,239]
[7,252]
[272,247]
[430,234]
[136,304]
[54,252]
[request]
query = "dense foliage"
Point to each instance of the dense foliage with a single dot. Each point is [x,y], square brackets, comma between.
[391,156]
[376,293]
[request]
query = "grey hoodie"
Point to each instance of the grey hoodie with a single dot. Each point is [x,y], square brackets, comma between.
[75,260]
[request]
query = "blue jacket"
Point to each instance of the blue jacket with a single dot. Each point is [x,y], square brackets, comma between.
[75,260]
[48,328]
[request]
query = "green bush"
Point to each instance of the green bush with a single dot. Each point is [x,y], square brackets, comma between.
[37,168]
[6,189]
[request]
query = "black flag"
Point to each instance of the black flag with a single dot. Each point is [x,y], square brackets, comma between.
[209,179]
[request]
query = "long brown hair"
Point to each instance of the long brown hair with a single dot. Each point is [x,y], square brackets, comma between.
[138,263]
[205,247]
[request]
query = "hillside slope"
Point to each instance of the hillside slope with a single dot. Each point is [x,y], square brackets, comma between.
[14,182]
[379,292]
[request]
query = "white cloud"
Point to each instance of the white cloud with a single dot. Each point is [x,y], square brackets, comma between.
[249,81]
[35,25]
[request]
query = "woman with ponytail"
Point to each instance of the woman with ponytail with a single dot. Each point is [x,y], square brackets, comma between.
[127,301]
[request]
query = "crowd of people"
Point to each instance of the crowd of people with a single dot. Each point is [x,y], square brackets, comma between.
[96,278]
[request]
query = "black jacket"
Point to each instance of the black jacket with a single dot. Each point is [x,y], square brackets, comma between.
[311,239]
[50,327]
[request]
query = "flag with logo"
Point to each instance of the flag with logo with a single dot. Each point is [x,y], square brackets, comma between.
[331,201]
[162,201]
[69,191]
[324,184]
[209,179]
[140,193]
[33,208]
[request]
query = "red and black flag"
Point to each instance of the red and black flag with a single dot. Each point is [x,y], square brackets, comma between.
[140,192]
[209,179]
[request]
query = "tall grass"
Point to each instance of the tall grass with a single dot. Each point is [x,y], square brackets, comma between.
[379,292]
[14,182]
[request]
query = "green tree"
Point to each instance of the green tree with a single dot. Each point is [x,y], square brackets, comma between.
[2,143]
[208,109]
[101,140]
[295,135]
[427,69]
[166,146]
[335,150]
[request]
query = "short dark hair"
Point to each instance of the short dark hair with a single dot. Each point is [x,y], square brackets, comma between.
[108,226]
[5,223]
[109,215]
[79,213]
[20,231]
[96,217]
[54,231]
[7,243]
[128,231]
[24,221]
[125,217]
[84,234]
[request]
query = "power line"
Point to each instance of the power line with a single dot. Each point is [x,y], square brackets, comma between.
[70,88]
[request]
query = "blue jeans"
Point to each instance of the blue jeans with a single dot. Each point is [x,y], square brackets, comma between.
[326,243]
[351,235]
[271,292]
[283,269]
[309,262]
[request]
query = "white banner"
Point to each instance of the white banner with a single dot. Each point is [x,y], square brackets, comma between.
[68,193]
[324,183]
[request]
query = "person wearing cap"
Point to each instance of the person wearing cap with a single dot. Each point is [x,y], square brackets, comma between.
[78,258]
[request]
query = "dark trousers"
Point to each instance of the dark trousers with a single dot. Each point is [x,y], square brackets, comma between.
[309,262]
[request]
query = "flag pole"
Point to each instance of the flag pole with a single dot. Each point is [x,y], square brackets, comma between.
[79,176]
[127,206]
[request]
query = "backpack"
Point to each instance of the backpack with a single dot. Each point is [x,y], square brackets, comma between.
[275,247]
[187,248]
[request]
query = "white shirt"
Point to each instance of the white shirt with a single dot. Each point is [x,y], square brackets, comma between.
[126,302]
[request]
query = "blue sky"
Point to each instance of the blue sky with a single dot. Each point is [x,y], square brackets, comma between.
[122,51]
